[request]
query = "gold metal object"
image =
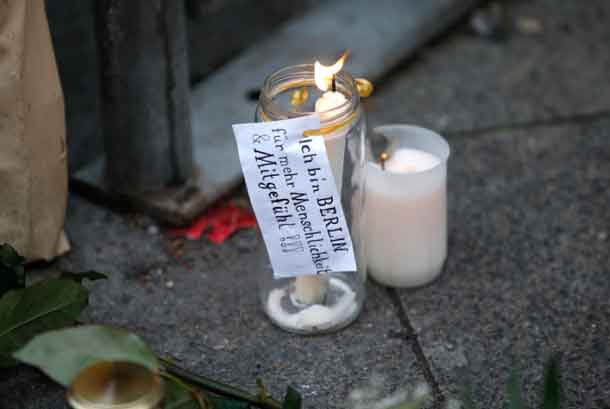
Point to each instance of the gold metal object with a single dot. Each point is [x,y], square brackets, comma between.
[382,159]
[116,385]
[364,87]
[299,97]
[331,128]
[322,131]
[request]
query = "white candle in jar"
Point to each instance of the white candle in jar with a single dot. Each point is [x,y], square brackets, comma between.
[406,208]
[312,289]
[334,141]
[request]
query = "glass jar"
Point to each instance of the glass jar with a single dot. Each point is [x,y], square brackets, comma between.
[314,304]
[116,385]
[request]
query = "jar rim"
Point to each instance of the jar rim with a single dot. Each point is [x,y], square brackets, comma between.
[294,76]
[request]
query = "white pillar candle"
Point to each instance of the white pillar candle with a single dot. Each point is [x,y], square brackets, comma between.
[406,208]
[335,141]
[312,289]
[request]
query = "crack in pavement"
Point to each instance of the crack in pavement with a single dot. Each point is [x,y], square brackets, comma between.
[576,119]
[410,336]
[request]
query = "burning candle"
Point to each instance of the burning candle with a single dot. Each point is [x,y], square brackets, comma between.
[406,231]
[312,289]
[330,100]
[319,301]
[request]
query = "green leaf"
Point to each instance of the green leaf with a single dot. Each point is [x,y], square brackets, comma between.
[85,275]
[217,402]
[47,305]
[418,404]
[293,399]
[515,401]
[552,385]
[467,398]
[219,388]
[180,395]
[63,354]
[12,271]
[263,395]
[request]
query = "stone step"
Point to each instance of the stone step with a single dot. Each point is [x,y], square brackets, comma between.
[380,35]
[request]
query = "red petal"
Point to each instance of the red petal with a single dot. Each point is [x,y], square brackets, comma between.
[219,223]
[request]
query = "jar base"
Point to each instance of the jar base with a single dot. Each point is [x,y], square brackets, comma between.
[410,284]
[340,309]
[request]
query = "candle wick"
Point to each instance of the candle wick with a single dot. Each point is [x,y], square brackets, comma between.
[334,83]
[382,159]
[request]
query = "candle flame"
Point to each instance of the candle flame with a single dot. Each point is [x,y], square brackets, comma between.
[323,74]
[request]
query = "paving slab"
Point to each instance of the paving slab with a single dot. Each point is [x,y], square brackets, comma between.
[529,222]
[26,388]
[527,271]
[466,82]
[210,320]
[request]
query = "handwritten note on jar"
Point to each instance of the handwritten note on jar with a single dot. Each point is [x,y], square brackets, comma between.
[294,196]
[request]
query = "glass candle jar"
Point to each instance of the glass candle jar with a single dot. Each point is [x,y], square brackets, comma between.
[313,303]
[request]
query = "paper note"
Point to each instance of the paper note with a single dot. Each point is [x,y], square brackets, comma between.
[295,198]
